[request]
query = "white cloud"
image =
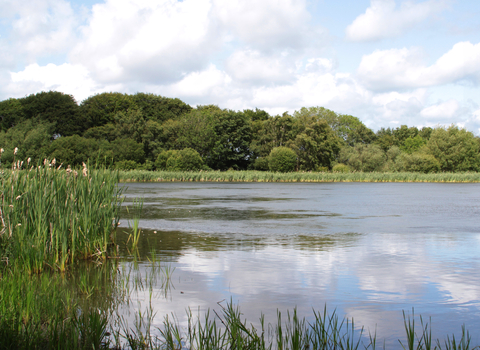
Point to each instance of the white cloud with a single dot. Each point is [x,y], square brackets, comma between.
[383,19]
[252,67]
[267,24]
[67,78]
[443,110]
[39,27]
[146,41]
[204,83]
[405,68]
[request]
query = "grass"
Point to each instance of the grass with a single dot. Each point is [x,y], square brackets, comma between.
[51,217]
[264,176]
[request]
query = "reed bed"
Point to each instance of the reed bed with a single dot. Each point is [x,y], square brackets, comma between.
[50,217]
[264,176]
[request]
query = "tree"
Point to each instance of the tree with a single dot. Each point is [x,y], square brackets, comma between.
[101,109]
[316,146]
[456,149]
[74,150]
[158,108]
[233,135]
[282,159]
[31,137]
[346,127]
[363,157]
[11,113]
[57,108]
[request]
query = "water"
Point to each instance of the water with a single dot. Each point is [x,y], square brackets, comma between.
[368,250]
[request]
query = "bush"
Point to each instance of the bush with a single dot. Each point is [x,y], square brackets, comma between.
[261,163]
[363,157]
[341,168]
[419,162]
[126,165]
[282,159]
[184,160]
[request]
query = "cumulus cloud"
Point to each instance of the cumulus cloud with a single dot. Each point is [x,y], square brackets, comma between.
[146,40]
[67,78]
[267,24]
[441,111]
[383,19]
[405,68]
[38,27]
[250,66]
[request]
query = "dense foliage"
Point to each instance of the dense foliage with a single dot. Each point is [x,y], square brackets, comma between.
[151,132]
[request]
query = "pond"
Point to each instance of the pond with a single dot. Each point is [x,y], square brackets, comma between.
[367,250]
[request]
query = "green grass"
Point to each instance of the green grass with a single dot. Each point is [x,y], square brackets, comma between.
[264,176]
[50,217]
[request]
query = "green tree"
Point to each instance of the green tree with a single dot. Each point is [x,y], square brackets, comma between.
[74,150]
[456,149]
[101,109]
[31,137]
[57,108]
[282,159]
[363,157]
[233,135]
[317,146]
[11,113]
[158,108]
[346,127]
[418,162]
[413,144]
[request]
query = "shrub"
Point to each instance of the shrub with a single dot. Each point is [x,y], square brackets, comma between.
[418,162]
[126,165]
[161,161]
[282,159]
[341,168]
[184,160]
[261,163]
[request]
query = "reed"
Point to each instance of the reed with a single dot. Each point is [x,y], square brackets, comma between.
[265,176]
[50,217]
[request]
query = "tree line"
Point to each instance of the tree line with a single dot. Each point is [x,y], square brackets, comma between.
[147,131]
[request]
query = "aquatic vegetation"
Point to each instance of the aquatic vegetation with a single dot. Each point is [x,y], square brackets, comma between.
[52,216]
[265,176]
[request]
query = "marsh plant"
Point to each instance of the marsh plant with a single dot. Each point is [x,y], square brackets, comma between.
[51,216]
[266,176]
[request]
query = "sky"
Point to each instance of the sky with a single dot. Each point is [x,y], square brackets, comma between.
[387,62]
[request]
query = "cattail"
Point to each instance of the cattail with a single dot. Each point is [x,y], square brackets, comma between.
[15,151]
[29,160]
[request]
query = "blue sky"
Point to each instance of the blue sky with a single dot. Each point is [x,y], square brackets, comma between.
[387,62]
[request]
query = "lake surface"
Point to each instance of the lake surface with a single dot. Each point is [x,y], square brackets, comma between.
[366,250]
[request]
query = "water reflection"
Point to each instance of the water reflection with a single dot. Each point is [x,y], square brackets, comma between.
[368,250]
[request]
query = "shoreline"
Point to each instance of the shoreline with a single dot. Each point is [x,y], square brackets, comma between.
[305,177]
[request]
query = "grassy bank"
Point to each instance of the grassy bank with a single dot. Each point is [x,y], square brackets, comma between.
[264,176]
